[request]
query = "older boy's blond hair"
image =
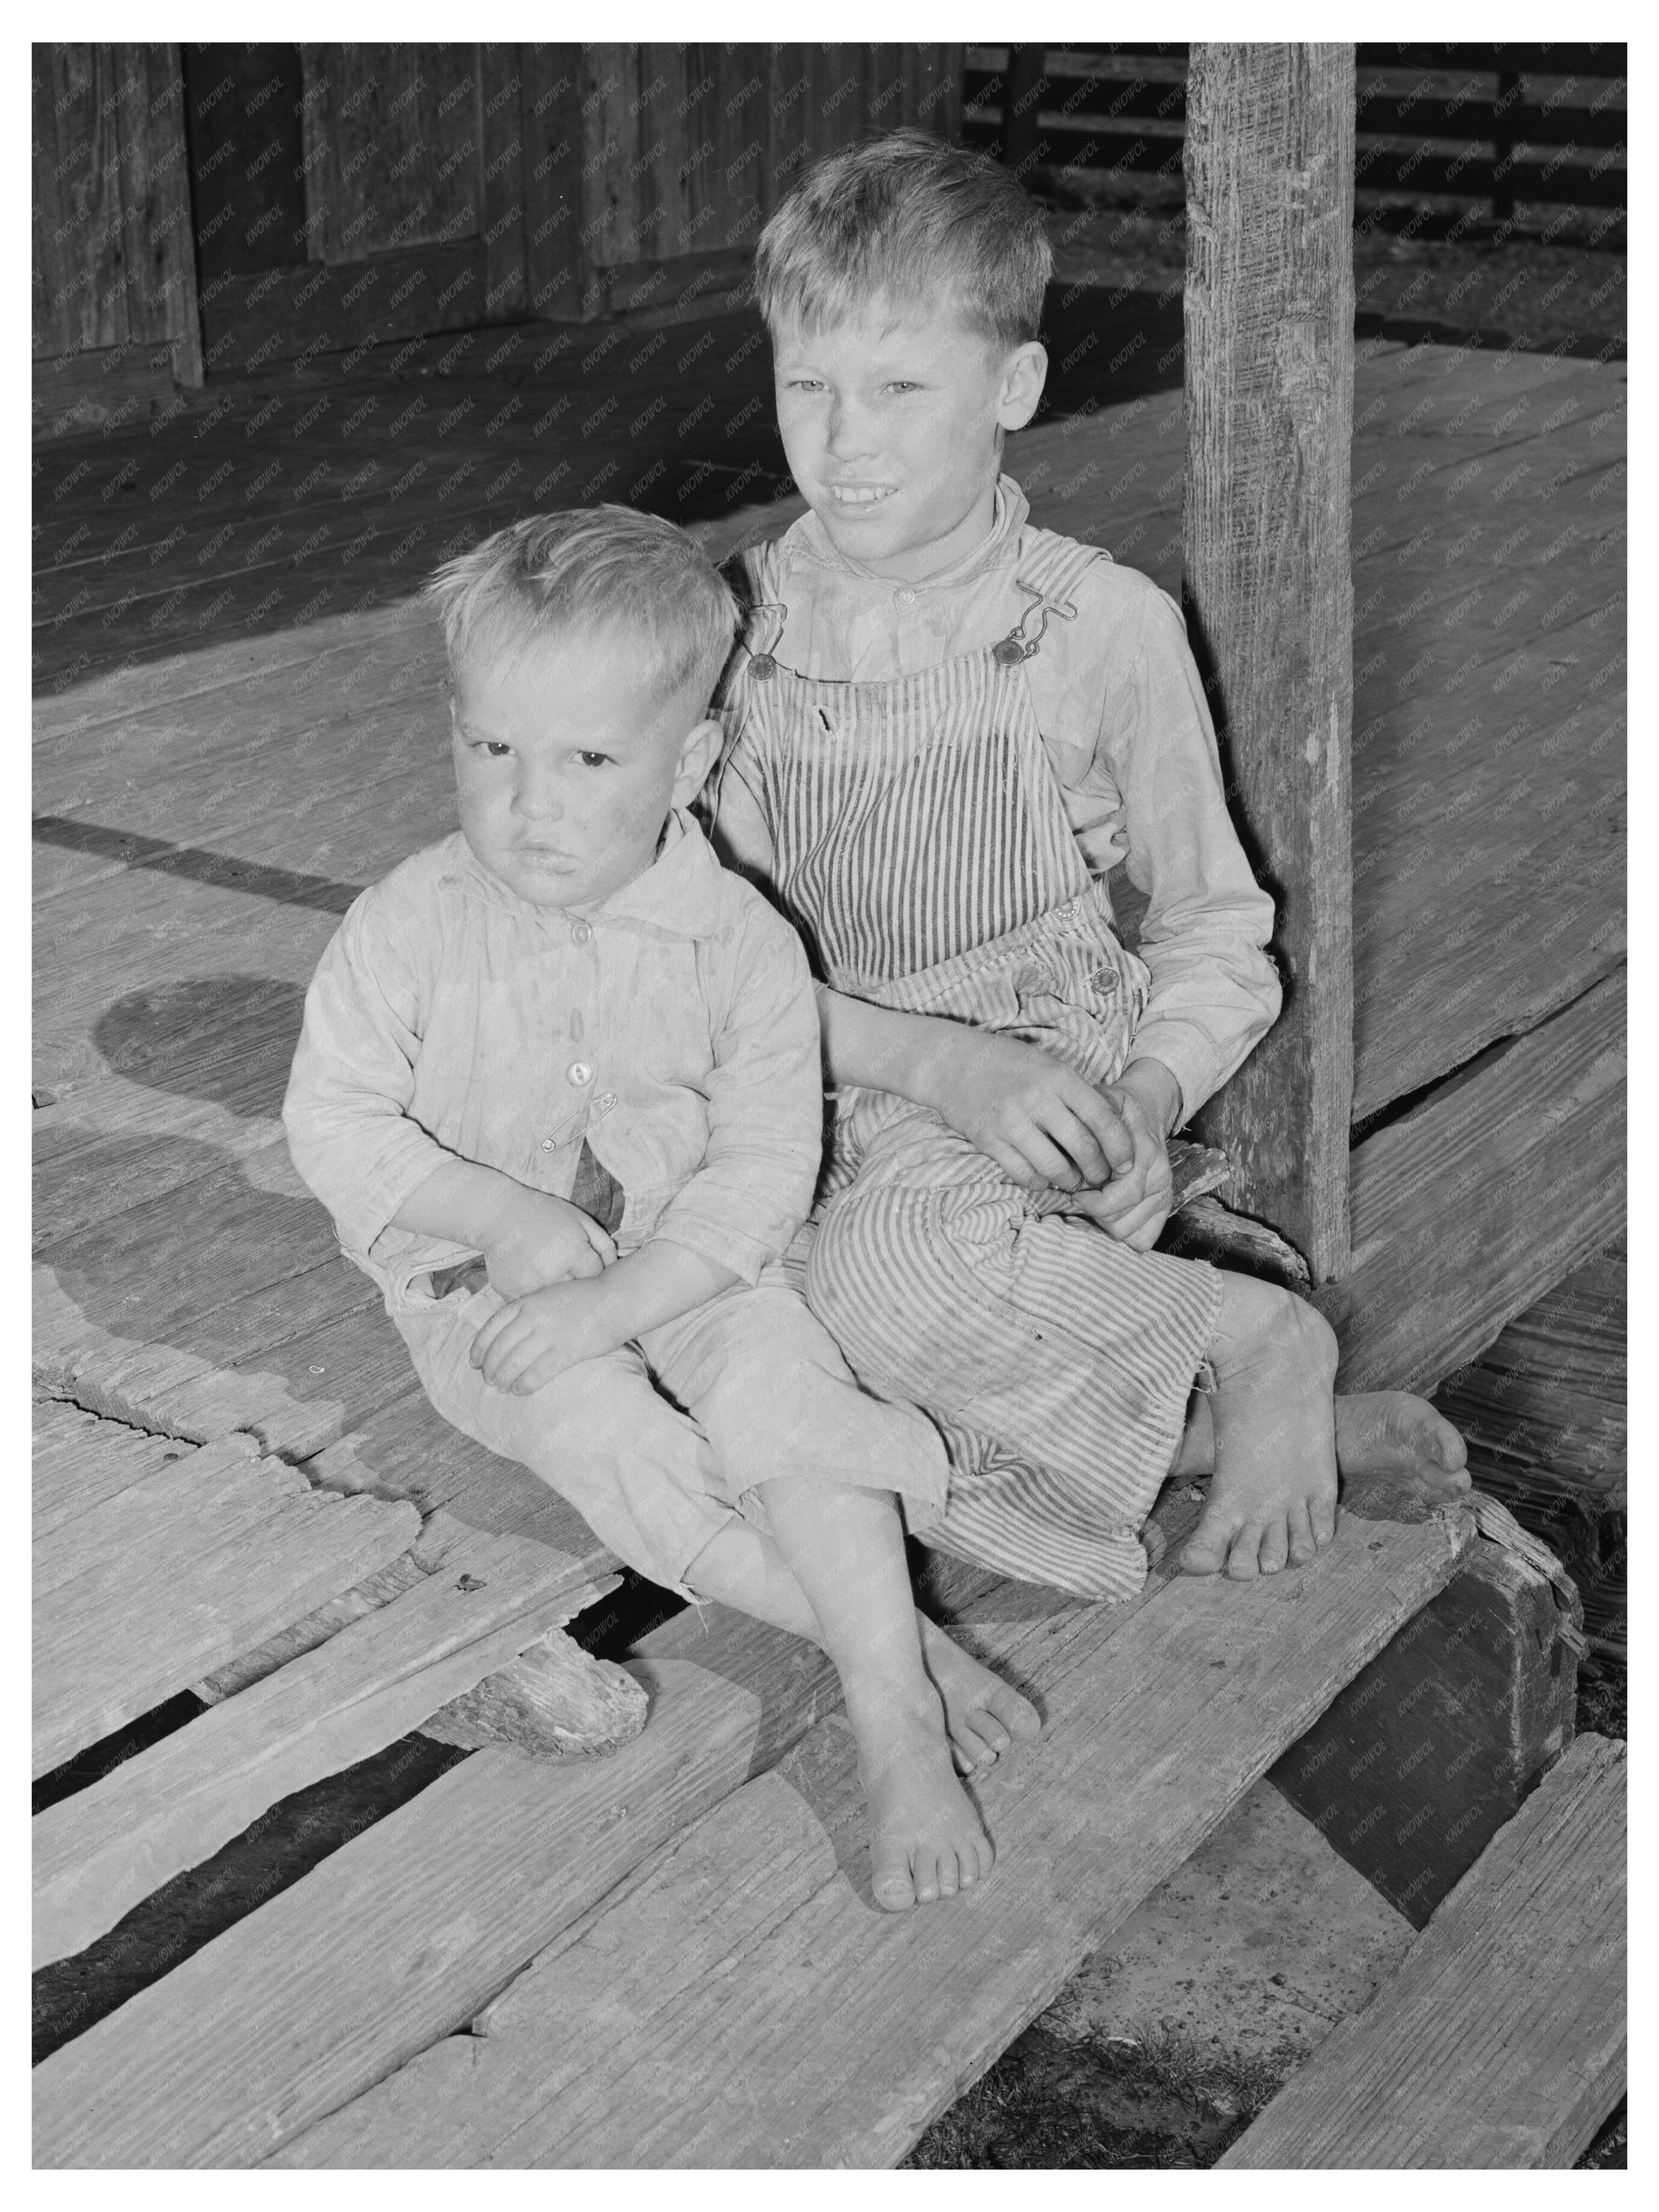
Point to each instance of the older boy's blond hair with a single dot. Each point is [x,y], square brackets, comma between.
[901,222]
[591,570]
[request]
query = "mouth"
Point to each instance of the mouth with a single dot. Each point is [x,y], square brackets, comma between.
[542,856]
[860,495]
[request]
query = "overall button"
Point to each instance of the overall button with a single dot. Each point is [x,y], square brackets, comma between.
[547,1143]
[905,599]
[604,1102]
[579,1072]
[579,933]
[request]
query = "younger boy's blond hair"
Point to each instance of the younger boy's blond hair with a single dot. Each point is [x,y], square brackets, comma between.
[592,569]
[901,222]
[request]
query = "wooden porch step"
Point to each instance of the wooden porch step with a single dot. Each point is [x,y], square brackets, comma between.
[1500,2041]
[741,2001]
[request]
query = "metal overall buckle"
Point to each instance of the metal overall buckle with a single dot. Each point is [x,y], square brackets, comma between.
[1008,652]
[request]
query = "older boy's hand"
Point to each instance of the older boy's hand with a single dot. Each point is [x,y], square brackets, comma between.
[1133,1207]
[532,1342]
[536,1239]
[1044,1126]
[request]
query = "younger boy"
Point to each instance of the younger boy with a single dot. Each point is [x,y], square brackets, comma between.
[567,1044]
[948,726]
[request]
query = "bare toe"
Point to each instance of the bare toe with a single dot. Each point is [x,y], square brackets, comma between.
[1275,1546]
[1322,1512]
[1300,1522]
[891,1883]
[1244,1560]
[1206,1550]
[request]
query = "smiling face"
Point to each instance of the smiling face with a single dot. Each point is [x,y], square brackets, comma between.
[568,761]
[894,433]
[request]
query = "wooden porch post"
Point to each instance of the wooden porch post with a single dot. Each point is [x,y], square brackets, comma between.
[1269,596]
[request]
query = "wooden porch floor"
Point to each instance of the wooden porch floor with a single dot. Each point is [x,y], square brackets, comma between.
[210,792]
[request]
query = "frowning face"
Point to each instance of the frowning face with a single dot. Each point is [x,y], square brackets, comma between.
[568,760]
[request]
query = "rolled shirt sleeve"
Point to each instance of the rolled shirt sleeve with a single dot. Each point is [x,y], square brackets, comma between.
[1214,991]
[765,1103]
[346,1110]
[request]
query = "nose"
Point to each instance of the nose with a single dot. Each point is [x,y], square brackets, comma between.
[536,794]
[849,431]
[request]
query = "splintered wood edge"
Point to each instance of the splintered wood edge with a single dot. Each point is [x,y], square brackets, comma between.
[555,1701]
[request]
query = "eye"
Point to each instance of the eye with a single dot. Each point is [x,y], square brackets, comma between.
[492,748]
[903,384]
[594,760]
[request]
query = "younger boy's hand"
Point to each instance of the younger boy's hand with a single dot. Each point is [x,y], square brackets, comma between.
[1044,1126]
[532,1342]
[537,1239]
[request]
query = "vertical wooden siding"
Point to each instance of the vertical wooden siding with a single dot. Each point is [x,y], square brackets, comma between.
[392,139]
[113,264]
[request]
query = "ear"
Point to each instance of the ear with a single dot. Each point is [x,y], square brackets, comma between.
[1023,375]
[698,753]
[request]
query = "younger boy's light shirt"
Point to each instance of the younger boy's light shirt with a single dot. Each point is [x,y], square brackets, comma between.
[674,1029]
[1123,716]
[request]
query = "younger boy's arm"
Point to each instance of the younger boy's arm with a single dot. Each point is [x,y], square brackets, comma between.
[738,1211]
[353,1139]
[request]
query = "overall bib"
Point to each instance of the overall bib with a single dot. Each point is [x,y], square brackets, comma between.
[923,850]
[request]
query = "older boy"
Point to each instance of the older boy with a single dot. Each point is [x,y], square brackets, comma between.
[559,1085]
[948,726]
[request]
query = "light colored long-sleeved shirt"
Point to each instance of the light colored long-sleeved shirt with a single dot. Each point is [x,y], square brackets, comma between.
[673,1029]
[1123,718]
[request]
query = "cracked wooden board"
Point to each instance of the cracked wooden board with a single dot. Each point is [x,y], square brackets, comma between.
[483,1599]
[402,1936]
[167,1579]
[744,2003]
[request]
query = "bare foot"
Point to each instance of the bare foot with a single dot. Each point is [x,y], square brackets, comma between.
[1273,1503]
[1397,1433]
[926,1839]
[982,1715]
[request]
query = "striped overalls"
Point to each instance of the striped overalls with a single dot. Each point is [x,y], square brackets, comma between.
[923,851]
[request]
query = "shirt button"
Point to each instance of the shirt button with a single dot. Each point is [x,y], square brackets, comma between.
[579,1072]
[579,933]
[547,1143]
[905,599]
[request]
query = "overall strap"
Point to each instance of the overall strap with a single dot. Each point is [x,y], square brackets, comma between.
[765,614]
[1048,572]
[1050,567]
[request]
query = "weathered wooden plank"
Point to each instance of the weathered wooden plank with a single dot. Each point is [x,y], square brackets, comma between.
[397,130]
[178,1600]
[484,1600]
[1269,383]
[405,292]
[1550,1393]
[503,181]
[201,1499]
[402,1936]
[80,293]
[1424,1756]
[158,249]
[1472,1205]
[753,1954]
[79,1462]
[1500,2041]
